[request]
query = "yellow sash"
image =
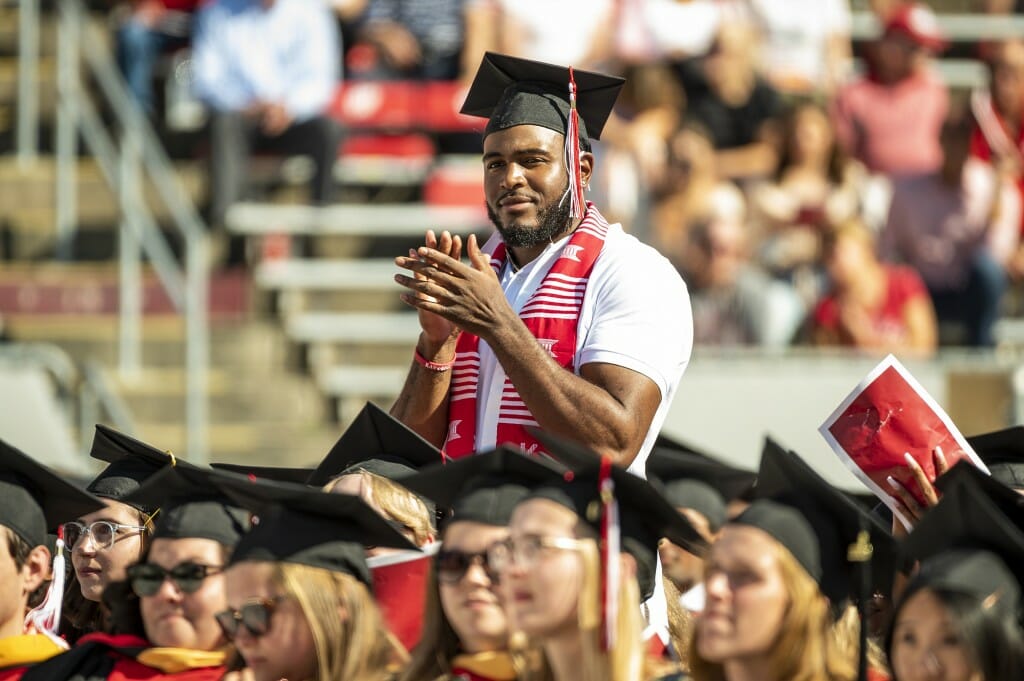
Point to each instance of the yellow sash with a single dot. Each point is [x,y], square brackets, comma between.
[495,664]
[17,651]
[174,660]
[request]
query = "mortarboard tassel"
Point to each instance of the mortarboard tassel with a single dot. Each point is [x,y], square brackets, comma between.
[610,543]
[45,617]
[572,153]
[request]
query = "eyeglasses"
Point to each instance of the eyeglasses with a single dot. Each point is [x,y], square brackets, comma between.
[103,532]
[255,617]
[147,578]
[526,551]
[453,565]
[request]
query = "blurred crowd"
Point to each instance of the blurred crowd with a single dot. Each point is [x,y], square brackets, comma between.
[807,196]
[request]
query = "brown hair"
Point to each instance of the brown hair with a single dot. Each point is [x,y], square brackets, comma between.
[355,645]
[431,658]
[807,646]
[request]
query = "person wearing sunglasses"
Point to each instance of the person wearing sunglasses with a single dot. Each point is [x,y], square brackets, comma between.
[465,630]
[161,622]
[33,499]
[299,592]
[104,543]
[568,590]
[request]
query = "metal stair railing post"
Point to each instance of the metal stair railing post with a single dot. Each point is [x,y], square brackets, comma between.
[127,165]
[69,93]
[28,83]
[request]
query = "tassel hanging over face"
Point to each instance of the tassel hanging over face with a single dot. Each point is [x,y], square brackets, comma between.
[611,541]
[45,618]
[572,154]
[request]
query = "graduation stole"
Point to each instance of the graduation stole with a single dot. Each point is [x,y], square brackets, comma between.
[489,666]
[27,649]
[552,315]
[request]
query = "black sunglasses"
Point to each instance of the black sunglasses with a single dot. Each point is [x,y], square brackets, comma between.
[147,578]
[255,617]
[453,565]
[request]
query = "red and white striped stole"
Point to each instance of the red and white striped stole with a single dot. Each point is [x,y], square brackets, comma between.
[552,315]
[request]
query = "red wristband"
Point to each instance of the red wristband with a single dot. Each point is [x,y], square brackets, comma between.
[433,366]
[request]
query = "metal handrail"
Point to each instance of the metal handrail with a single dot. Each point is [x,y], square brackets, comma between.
[127,159]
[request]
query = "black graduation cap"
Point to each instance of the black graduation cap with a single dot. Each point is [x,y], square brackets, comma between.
[131,462]
[297,476]
[298,525]
[1006,498]
[484,488]
[191,506]
[510,91]
[34,499]
[818,524]
[697,482]
[968,544]
[1003,453]
[645,515]
[376,442]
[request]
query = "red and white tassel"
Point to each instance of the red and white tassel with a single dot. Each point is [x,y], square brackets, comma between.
[572,154]
[45,618]
[610,546]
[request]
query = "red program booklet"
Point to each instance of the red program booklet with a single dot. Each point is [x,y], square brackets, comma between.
[889,414]
[400,589]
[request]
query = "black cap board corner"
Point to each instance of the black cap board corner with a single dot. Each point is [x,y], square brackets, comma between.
[35,499]
[968,543]
[510,91]
[130,463]
[378,443]
[1003,453]
[485,487]
[645,515]
[295,524]
[298,476]
[191,506]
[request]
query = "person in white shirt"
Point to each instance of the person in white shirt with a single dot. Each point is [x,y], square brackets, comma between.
[562,323]
[267,70]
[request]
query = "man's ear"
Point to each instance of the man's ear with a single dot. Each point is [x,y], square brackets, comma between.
[586,167]
[36,569]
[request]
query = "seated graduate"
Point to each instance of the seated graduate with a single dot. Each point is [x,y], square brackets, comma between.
[580,558]
[466,634]
[161,623]
[299,595]
[369,460]
[779,578]
[32,499]
[958,619]
[104,543]
[700,488]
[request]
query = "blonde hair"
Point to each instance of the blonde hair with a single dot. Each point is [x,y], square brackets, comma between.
[396,503]
[349,634]
[627,660]
[808,647]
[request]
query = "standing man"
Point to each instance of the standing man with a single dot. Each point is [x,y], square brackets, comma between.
[560,321]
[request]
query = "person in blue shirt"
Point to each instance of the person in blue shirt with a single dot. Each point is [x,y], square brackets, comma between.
[267,70]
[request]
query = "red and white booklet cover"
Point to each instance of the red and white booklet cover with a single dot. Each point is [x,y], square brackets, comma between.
[888,415]
[400,589]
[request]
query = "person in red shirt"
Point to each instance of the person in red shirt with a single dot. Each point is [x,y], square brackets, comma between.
[998,136]
[872,306]
[890,119]
[148,28]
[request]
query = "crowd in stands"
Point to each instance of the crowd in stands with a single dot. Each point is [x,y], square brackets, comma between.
[808,196]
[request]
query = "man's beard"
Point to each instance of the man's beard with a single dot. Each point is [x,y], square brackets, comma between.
[552,222]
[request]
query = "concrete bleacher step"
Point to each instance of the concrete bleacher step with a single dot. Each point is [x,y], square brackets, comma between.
[371,220]
[327,274]
[355,328]
[28,199]
[343,381]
